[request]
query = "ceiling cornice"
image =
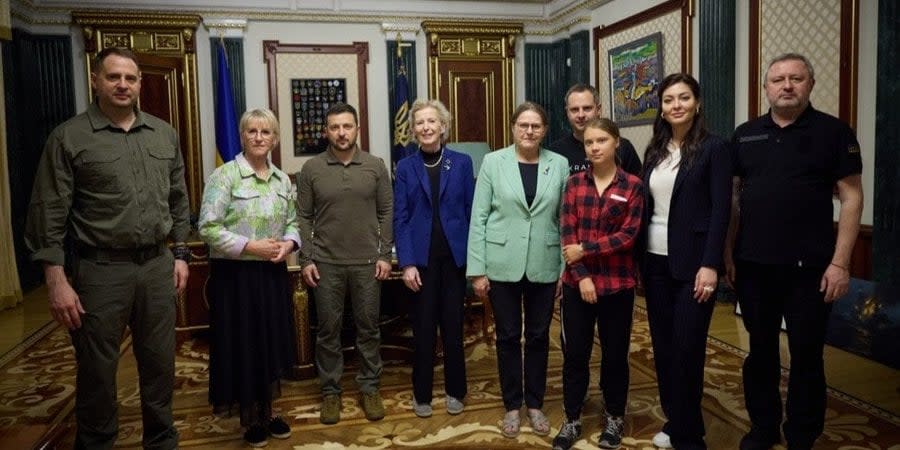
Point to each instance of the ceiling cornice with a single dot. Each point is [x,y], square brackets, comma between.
[578,12]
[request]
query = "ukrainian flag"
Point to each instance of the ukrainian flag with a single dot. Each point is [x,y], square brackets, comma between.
[228,142]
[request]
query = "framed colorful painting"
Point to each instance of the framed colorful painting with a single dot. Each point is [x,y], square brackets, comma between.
[635,71]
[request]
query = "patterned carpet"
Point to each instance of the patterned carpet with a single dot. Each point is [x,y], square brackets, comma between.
[37,392]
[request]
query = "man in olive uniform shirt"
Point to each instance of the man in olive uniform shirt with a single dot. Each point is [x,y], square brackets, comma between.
[111,181]
[345,219]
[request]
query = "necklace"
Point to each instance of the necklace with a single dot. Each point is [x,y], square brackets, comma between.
[435,164]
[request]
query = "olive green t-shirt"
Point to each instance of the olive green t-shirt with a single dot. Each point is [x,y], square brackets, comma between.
[345,211]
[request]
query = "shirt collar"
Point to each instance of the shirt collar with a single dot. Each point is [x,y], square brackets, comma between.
[330,157]
[100,121]
[618,178]
[802,120]
[246,171]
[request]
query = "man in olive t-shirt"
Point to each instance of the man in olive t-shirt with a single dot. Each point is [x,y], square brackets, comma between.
[345,217]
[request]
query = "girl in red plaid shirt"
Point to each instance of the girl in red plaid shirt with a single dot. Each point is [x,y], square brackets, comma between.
[600,221]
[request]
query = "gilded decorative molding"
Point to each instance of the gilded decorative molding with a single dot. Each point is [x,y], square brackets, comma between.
[474,27]
[134,18]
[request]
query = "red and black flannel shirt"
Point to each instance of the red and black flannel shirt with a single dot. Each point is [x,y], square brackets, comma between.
[607,226]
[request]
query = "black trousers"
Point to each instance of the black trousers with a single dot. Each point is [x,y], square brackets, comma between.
[678,326]
[612,315]
[766,293]
[509,300]
[439,304]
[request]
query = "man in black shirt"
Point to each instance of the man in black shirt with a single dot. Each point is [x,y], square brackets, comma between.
[787,261]
[583,106]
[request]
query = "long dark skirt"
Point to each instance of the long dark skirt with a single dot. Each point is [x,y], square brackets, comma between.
[252,333]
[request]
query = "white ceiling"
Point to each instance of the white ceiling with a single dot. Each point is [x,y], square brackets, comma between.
[482,9]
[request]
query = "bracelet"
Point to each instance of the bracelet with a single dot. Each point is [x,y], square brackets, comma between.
[839,267]
[183,253]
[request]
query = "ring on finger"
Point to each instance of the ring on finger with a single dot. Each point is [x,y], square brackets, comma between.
[708,288]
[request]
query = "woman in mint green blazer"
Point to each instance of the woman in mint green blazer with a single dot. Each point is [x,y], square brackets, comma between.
[514,259]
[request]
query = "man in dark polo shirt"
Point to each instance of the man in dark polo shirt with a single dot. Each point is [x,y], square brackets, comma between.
[583,106]
[111,181]
[787,260]
[346,215]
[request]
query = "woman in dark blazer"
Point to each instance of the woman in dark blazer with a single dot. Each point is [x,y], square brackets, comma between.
[432,205]
[687,172]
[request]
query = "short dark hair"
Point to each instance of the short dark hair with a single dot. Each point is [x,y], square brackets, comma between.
[97,62]
[341,108]
[790,57]
[530,106]
[581,87]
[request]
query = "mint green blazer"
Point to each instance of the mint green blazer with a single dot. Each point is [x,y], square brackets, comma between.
[507,238]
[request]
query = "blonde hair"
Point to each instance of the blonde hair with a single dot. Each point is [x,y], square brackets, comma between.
[442,112]
[263,114]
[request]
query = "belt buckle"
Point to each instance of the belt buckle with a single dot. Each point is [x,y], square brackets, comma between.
[144,255]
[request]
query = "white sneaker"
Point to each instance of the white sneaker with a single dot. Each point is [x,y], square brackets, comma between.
[661,440]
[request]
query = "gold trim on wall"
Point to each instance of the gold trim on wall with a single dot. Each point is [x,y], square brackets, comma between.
[159,34]
[454,40]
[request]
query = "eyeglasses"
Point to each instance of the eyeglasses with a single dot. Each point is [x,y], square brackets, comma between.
[524,127]
[263,134]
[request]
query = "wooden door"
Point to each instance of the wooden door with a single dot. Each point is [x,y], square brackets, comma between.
[162,94]
[470,91]
[471,70]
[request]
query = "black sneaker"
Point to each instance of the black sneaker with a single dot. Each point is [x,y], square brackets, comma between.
[757,439]
[568,435]
[256,436]
[279,429]
[612,434]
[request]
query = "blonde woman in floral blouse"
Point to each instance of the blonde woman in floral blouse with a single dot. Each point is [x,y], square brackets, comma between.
[248,218]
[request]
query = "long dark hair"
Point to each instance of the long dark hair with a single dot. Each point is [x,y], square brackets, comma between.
[662,131]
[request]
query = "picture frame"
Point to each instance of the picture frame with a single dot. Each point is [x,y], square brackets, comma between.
[635,71]
[288,62]
[310,100]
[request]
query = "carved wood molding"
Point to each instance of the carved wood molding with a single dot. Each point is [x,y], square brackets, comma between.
[472,39]
[141,32]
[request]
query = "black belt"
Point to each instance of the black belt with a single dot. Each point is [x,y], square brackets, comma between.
[134,255]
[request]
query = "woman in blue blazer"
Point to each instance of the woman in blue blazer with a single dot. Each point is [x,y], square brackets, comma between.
[514,258]
[432,206]
[687,172]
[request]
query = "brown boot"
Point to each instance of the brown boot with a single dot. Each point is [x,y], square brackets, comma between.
[331,409]
[373,406]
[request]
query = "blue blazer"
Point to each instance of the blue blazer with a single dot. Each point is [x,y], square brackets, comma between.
[509,239]
[413,211]
[699,211]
